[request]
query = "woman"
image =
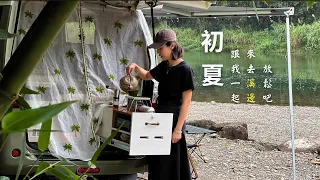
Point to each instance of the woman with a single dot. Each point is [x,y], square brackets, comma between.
[175,88]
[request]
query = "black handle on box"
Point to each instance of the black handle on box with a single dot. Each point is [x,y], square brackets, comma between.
[154,124]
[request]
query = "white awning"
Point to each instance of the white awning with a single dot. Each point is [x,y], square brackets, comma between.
[188,9]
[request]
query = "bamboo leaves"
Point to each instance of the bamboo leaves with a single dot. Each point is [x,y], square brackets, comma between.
[26,90]
[265,1]
[44,136]
[19,121]
[4,34]
[105,143]
[309,4]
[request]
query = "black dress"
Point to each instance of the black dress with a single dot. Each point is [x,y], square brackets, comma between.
[172,82]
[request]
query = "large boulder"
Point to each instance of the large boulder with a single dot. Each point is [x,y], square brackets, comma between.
[234,131]
[301,145]
[206,124]
[218,126]
[237,130]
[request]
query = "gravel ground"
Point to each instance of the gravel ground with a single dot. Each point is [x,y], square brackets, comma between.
[243,160]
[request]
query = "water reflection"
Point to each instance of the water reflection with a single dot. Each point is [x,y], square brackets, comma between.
[305,73]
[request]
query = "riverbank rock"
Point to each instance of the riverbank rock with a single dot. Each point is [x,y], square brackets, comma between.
[227,130]
[234,131]
[301,145]
[206,124]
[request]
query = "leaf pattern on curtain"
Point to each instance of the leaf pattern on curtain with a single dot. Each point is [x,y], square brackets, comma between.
[56,66]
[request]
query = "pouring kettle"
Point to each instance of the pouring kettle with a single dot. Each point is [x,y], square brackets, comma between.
[128,83]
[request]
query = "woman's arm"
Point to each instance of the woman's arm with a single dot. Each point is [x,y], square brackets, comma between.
[142,73]
[186,100]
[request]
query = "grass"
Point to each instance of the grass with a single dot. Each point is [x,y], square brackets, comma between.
[304,38]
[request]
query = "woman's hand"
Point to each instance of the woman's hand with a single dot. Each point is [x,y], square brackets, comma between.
[176,137]
[131,68]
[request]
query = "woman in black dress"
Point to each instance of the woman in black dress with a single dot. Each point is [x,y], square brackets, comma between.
[175,88]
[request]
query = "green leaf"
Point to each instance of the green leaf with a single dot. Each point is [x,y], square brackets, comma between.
[59,174]
[44,136]
[26,90]
[23,103]
[21,159]
[4,34]
[255,9]
[21,120]
[3,140]
[89,175]
[223,1]
[43,167]
[309,4]
[105,143]
[10,109]
[74,176]
[265,1]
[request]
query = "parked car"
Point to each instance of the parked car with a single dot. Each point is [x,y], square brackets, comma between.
[112,161]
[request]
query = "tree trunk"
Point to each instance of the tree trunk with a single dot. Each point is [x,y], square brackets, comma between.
[32,48]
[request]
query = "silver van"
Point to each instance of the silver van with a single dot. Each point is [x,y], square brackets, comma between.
[113,162]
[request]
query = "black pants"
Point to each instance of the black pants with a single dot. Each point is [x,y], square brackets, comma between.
[176,165]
